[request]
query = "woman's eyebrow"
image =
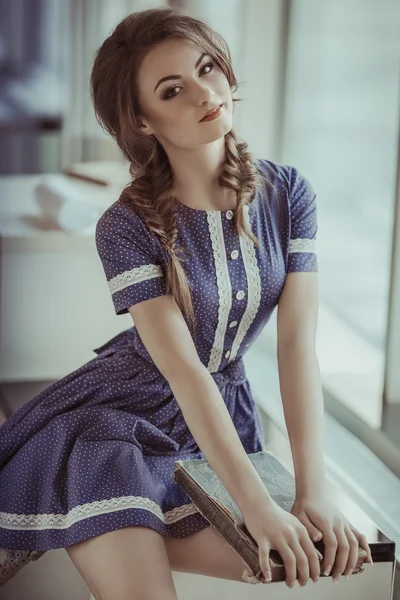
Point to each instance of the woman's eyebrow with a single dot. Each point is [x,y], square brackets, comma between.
[178,76]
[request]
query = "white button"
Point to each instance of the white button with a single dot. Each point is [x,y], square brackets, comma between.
[229,214]
[234,254]
[233,324]
[227,354]
[240,295]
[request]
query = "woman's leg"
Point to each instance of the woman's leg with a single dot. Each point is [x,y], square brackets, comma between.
[128,563]
[205,553]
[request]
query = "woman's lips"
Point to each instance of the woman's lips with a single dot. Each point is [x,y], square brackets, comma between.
[213,115]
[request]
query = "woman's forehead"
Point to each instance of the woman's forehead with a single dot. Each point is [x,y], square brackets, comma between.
[165,58]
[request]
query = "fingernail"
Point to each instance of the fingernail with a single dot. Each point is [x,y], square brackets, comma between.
[328,570]
[316,537]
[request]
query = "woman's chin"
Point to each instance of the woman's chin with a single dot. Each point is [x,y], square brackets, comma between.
[217,129]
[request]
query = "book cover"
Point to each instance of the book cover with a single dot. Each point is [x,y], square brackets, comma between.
[209,495]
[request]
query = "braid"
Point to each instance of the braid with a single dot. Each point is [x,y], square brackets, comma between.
[150,196]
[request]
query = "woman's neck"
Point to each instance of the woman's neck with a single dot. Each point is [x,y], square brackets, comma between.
[218,199]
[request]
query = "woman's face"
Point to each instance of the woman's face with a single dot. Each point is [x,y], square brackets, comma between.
[193,85]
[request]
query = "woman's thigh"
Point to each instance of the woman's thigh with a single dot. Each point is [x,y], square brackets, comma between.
[205,553]
[128,563]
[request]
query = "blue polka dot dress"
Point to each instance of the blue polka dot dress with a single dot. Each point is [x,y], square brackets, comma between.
[95,450]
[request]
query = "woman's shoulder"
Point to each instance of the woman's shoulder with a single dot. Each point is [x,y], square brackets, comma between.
[122,220]
[121,227]
[284,176]
[117,214]
[277,173]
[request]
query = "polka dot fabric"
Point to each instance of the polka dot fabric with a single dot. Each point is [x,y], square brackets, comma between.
[95,451]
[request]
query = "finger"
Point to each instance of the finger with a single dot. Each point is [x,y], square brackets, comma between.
[353,553]
[331,544]
[312,557]
[342,555]
[313,531]
[302,565]
[289,560]
[362,540]
[263,557]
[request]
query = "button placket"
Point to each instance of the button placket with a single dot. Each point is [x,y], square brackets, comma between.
[240,294]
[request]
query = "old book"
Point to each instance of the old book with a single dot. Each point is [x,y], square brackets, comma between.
[213,501]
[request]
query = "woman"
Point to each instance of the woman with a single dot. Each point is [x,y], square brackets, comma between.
[200,248]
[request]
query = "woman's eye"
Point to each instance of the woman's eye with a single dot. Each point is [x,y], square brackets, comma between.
[209,64]
[167,95]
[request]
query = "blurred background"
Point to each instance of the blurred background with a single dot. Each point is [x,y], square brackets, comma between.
[320,82]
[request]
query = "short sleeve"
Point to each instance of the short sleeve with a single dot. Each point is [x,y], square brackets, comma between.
[303,224]
[129,257]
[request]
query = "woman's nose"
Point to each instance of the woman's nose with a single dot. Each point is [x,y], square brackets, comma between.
[203,93]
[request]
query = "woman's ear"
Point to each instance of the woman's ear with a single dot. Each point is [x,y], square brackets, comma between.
[144,127]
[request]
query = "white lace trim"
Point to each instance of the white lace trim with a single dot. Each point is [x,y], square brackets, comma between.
[302,245]
[224,288]
[135,275]
[92,509]
[253,286]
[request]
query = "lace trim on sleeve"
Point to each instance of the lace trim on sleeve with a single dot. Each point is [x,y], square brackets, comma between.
[302,245]
[135,275]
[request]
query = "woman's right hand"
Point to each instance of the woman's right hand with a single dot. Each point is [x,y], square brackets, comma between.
[274,528]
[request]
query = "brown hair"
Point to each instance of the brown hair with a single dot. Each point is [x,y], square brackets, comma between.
[113,89]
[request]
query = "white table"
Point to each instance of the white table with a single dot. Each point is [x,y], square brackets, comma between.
[55,303]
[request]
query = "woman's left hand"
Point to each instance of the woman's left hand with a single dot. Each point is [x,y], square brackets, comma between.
[320,516]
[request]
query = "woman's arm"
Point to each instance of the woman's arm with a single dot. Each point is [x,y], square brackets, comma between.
[299,377]
[165,334]
[300,384]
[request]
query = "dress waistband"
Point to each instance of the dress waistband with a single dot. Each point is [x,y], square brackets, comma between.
[233,373]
